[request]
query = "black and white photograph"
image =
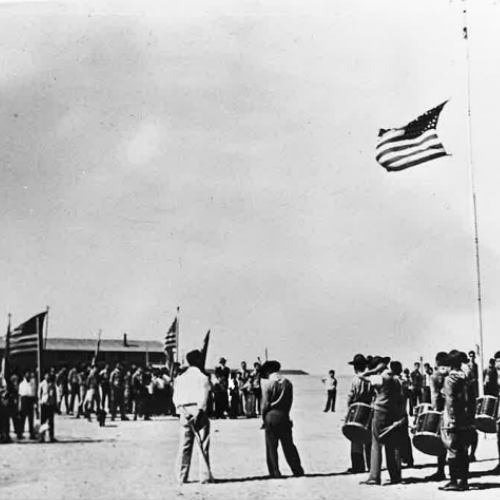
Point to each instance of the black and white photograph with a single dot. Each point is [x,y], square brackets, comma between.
[250,249]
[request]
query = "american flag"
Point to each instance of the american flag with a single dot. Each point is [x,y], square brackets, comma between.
[27,337]
[411,145]
[171,337]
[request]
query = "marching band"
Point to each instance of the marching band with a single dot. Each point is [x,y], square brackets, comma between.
[445,427]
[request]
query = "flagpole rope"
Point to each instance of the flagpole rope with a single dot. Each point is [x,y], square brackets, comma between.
[474,202]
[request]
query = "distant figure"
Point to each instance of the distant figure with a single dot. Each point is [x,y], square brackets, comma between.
[277,399]
[191,391]
[48,405]
[416,386]
[331,390]
[426,383]
[491,387]
[220,394]
[27,402]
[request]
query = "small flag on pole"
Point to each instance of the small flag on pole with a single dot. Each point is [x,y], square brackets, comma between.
[204,350]
[411,145]
[27,337]
[171,344]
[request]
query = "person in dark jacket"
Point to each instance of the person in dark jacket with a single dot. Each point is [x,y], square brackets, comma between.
[277,400]
[456,426]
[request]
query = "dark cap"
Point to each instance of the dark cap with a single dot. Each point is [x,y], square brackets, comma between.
[497,355]
[377,360]
[359,359]
[441,359]
[222,360]
[272,366]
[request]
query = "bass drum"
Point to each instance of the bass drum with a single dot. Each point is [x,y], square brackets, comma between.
[427,438]
[487,414]
[357,426]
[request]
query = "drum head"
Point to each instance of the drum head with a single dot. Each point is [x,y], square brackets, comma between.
[356,433]
[428,443]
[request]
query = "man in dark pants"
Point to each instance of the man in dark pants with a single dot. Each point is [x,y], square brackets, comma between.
[437,400]
[417,381]
[361,392]
[496,470]
[456,423]
[331,391]
[48,405]
[388,394]
[277,399]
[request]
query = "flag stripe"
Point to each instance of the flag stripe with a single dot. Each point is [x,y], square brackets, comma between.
[394,156]
[401,144]
[416,161]
[26,337]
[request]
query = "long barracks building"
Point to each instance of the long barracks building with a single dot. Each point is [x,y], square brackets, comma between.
[65,351]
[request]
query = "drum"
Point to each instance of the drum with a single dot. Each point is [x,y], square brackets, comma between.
[487,414]
[418,410]
[427,438]
[357,426]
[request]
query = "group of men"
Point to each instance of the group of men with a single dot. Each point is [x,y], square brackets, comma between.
[82,391]
[191,396]
[235,393]
[453,390]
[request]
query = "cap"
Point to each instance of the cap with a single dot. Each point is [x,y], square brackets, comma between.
[270,367]
[358,360]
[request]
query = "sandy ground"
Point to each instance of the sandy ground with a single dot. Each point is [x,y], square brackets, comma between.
[135,460]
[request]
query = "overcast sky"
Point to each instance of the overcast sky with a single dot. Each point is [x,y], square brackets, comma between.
[219,156]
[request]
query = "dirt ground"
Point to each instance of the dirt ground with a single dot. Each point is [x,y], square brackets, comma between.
[135,460]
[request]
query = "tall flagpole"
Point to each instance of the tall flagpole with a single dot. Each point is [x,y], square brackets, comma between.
[39,336]
[474,202]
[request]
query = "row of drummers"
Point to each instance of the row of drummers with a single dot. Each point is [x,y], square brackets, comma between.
[454,404]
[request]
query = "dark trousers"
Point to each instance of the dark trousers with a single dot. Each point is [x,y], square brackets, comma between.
[47,415]
[235,403]
[404,443]
[104,396]
[278,429]
[220,403]
[64,397]
[74,391]
[361,456]
[380,421]
[117,402]
[457,443]
[426,394]
[27,412]
[330,400]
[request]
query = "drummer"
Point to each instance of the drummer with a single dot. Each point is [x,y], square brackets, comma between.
[388,390]
[361,392]
[437,400]
[456,423]
[496,470]
[471,371]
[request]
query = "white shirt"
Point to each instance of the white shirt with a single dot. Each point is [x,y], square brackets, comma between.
[191,389]
[27,388]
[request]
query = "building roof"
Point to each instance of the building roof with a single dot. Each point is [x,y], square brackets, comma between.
[106,345]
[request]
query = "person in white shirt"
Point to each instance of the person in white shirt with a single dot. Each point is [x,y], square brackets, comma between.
[27,402]
[191,392]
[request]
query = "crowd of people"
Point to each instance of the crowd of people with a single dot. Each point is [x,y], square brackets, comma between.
[83,391]
[451,388]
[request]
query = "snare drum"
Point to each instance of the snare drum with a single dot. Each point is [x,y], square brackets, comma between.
[427,438]
[357,426]
[487,414]
[418,410]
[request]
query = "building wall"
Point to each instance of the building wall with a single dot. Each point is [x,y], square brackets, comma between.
[71,358]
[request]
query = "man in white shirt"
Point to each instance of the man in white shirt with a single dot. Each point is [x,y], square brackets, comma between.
[27,402]
[191,391]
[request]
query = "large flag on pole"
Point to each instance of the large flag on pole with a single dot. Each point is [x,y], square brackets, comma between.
[204,350]
[27,337]
[411,145]
[171,344]
[5,361]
